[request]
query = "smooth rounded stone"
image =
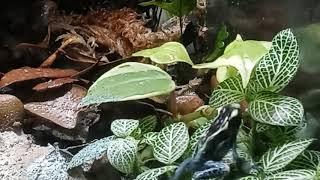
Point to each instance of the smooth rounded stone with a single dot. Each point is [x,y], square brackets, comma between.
[188,103]
[11,111]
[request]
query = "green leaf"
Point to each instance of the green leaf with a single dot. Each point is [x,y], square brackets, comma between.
[260,127]
[129,81]
[168,53]
[309,159]
[227,92]
[175,7]
[197,135]
[171,143]
[124,127]
[150,138]
[242,55]
[91,152]
[122,155]
[148,124]
[274,109]
[249,178]
[280,156]
[297,174]
[276,69]
[155,173]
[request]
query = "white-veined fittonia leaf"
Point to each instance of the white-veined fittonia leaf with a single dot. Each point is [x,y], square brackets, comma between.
[124,127]
[122,154]
[276,68]
[148,124]
[228,92]
[280,156]
[250,178]
[309,159]
[168,53]
[274,109]
[241,55]
[150,138]
[129,81]
[154,173]
[171,143]
[297,174]
[91,152]
[260,127]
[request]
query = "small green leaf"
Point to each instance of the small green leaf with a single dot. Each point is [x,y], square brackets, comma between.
[155,173]
[150,138]
[274,109]
[250,178]
[168,53]
[91,152]
[309,159]
[197,135]
[280,156]
[171,143]
[124,127]
[148,124]
[129,81]
[122,155]
[227,92]
[242,55]
[276,69]
[297,174]
[260,127]
[175,7]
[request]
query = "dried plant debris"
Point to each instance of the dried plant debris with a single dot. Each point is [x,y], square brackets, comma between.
[61,110]
[53,84]
[27,73]
[94,151]
[122,30]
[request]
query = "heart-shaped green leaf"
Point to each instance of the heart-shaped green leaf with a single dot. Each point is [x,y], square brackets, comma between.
[124,127]
[309,159]
[171,143]
[91,152]
[168,53]
[227,92]
[155,173]
[148,124]
[274,109]
[276,69]
[175,7]
[242,55]
[297,174]
[122,154]
[280,156]
[129,81]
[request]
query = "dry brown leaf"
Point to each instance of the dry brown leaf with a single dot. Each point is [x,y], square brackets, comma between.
[52,84]
[27,73]
[121,30]
[61,110]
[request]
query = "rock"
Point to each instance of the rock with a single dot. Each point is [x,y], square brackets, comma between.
[11,111]
[188,103]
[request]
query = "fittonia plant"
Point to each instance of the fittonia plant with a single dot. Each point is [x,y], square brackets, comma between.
[265,143]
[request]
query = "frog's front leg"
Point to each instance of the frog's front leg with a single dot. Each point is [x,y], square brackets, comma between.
[211,169]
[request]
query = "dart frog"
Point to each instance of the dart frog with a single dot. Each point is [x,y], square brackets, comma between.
[220,138]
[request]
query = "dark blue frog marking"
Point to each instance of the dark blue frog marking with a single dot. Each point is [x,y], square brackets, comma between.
[219,140]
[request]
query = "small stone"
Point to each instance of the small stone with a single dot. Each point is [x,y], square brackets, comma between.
[11,111]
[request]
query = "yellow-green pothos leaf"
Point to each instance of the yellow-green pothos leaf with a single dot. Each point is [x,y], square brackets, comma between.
[129,81]
[124,127]
[274,109]
[154,173]
[171,143]
[122,154]
[280,156]
[296,174]
[227,92]
[91,152]
[241,55]
[276,68]
[168,53]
